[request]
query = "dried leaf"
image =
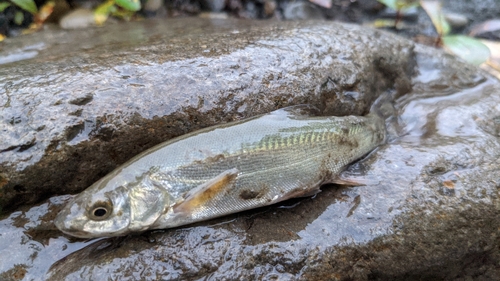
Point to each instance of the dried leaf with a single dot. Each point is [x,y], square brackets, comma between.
[433,9]
[449,184]
[487,26]
[44,12]
[103,11]
[494,50]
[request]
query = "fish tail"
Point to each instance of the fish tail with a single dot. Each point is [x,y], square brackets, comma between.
[384,114]
[383,106]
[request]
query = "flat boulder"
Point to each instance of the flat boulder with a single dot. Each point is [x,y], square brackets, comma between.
[430,209]
[90,100]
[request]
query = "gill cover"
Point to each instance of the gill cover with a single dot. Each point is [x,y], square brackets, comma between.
[148,201]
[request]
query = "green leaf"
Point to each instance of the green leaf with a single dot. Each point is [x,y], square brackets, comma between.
[123,14]
[27,5]
[467,48]
[18,17]
[389,3]
[130,5]
[381,23]
[433,9]
[399,5]
[3,6]
[103,11]
[407,4]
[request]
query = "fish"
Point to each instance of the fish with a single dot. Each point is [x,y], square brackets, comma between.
[221,170]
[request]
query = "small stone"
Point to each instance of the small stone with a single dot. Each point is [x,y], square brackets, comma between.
[269,8]
[302,10]
[153,5]
[455,19]
[79,18]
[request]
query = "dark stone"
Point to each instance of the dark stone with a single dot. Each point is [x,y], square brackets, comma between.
[430,209]
[130,86]
[213,5]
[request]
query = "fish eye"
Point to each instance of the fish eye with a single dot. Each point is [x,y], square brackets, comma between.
[100,211]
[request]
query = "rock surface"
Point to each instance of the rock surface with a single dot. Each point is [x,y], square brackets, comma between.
[84,106]
[432,211]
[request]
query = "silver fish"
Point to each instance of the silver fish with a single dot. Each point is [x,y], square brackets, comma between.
[222,170]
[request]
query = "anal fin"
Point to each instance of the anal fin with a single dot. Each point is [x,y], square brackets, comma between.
[354,180]
[206,192]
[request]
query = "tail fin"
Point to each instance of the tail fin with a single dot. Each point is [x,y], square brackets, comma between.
[383,106]
[384,110]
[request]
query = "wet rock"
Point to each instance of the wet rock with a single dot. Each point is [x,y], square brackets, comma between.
[432,211]
[110,93]
[434,214]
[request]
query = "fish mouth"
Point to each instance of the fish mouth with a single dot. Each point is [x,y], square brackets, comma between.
[76,233]
[62,224]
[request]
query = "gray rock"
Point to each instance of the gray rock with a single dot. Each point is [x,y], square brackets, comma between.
[431,211]
[476,11]
[78,19]
[93,99]
[456,20]
[302,10]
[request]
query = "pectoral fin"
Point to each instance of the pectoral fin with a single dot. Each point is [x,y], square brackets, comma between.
[206,192]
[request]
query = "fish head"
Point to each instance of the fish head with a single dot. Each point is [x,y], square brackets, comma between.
[113,206]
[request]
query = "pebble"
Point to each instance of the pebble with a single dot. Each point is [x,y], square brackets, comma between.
[79,18]
[302,10]
[455,19]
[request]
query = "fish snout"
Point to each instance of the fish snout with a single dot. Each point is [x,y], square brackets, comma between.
[65,224]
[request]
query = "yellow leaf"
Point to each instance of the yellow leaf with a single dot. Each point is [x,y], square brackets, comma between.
[45,11]
[103,11]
